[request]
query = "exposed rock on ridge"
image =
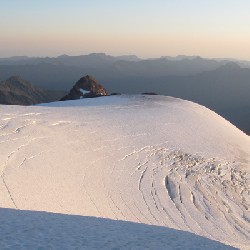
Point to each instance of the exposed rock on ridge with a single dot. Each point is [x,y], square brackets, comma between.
[17,91]
[86,87]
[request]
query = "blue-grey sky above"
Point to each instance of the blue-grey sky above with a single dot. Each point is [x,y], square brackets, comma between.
[148,28]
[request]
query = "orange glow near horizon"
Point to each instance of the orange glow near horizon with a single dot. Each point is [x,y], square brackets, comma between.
[144,47]
[151,29]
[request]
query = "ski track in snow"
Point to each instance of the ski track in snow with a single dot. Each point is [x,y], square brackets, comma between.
[123,176]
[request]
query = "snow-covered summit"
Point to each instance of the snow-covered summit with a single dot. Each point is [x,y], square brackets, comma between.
[148,159]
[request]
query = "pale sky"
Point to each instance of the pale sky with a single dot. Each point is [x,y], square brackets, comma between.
[147,28]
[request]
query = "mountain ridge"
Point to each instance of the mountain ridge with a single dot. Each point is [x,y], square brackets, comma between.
[17,91]
[220,85]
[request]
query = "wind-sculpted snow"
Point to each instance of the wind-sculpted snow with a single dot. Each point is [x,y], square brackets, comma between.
[154,160]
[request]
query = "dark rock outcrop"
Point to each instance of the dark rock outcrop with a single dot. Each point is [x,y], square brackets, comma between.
[86,87]
[17,91]
[149,93]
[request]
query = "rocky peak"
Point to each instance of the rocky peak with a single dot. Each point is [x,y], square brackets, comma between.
[17,91]
[15,83]
[86,87]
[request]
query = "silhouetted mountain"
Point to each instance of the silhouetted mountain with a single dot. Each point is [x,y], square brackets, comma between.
[94,60]
[221,85]
[86,87]
[17,91]
[166,67]
[91,60]
[59,73]
[180,64]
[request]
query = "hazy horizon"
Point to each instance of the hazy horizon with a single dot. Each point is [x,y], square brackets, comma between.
[211,29]
[123,55]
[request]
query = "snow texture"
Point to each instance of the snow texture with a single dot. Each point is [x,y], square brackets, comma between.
[84,91]
[160,162]
[40,230]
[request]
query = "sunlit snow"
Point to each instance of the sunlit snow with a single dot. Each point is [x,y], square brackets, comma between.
[152,160]
[84,91]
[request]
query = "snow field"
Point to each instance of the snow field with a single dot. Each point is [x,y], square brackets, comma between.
[153,160]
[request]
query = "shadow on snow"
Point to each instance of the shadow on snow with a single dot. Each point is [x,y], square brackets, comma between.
[41,230]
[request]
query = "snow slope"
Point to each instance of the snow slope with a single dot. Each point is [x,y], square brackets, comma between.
[154,160]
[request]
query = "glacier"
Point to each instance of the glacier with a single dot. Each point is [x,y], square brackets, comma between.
[160,164]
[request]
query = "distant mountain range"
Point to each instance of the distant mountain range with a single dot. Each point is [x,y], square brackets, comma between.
[222,85]
[60,72]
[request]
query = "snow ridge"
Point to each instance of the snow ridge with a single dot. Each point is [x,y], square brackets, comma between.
[152,160]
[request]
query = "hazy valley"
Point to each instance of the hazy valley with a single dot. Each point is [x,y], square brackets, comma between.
[222,85]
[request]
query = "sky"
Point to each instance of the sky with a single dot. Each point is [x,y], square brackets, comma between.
[147,28]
